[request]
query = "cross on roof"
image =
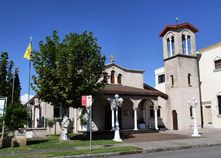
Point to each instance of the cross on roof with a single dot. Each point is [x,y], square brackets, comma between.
[112,58]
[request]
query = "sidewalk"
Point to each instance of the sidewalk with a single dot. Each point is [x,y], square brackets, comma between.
[149,142]
[209,137]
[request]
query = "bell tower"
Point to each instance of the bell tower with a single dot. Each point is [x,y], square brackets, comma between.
[181,74]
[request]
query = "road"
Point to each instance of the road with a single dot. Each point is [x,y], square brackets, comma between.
[209,152]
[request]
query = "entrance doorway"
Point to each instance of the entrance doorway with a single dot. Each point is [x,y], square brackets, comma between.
[175,122]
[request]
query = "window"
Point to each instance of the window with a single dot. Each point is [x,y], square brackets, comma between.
[57,111]
[105,77]
[171,46]
[161,78]
[189,45]
[218,64]
[186,44]
[158,111]
[219,104]
[112,76]
[189,79]
[151,111]
[119,79]
[191,112]
[172,80]
[183,44]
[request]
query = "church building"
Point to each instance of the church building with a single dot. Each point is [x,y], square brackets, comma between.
[186,74]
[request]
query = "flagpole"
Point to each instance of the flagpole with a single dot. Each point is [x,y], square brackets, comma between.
[29,75]
[13,87]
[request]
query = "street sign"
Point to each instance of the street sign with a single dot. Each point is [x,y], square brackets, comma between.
[86,100]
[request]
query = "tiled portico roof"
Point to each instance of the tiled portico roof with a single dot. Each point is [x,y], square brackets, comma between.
[126,90]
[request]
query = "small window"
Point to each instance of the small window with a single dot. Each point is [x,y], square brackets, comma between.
[105,77]
[172,80]
[119,79]
[112,76]
[191,112]
[189,79]
[57,111]
[151,111]
[218,64]
[189,45]
[171,46]
[161,78]
[158,111]
[219,104]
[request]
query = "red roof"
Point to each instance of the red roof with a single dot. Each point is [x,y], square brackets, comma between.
[126,90]
[179,26]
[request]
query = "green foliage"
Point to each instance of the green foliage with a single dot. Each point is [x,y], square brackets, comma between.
[7,77]
[17,87]
[67,69]
[16,116]
[3,73]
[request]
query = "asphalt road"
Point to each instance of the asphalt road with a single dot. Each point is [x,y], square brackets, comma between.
[209,152]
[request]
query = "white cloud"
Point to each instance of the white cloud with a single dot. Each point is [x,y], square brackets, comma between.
[24,98]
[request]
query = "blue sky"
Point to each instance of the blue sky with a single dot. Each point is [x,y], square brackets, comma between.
[129,29]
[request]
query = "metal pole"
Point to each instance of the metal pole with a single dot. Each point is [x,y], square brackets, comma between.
[90,128]
[13,87]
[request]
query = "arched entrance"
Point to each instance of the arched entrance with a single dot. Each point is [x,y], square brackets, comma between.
[175,118]
[126,115]
[145,114]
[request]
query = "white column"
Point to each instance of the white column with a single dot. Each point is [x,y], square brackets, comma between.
[171,51]
[186,39]
[135,119]
[75,120]
[112,117]
[155,117]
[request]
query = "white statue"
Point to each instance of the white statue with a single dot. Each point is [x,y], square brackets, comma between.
[64,128]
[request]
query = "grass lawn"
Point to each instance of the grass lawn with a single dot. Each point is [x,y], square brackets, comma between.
[54,142]
[54,147]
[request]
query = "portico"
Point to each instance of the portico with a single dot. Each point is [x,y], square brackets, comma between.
[138,111]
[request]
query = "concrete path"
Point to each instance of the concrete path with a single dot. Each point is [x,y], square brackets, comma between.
[209,137]
[149,142]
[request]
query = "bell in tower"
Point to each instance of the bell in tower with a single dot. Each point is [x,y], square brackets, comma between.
[179,39]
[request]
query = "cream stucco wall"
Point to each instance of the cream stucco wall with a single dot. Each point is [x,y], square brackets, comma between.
[210,83]
[130,78]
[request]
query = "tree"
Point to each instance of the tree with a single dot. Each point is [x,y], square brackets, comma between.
[17,87]
[16,116]
[3,73]
[67,69]
[9,80]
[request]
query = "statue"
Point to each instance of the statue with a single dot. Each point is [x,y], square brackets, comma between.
[64,128]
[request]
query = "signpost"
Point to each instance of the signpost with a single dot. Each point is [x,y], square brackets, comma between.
[87,102]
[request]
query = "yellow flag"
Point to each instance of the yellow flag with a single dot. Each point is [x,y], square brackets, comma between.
[28,52]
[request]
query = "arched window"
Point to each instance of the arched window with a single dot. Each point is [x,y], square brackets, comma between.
[186,44]
[172,80]
[112,76]
[170,46]
[105,77]
[183,44]
[189,44]
[189,79]
[119,79]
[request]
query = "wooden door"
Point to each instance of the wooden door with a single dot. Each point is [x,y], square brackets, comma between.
[175,122]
